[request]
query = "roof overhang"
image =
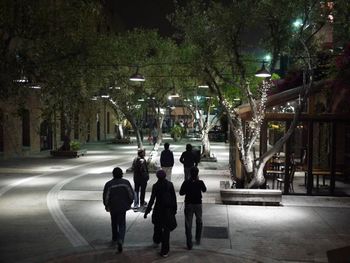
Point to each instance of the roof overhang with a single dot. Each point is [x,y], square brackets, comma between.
[276,99]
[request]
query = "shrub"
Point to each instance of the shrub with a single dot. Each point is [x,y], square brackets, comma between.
[75,145]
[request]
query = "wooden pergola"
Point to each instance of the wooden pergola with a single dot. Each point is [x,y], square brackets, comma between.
[336,121]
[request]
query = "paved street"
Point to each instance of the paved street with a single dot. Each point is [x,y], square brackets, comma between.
[51,211]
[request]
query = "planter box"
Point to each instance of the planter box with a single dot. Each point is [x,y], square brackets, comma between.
[249,196]
[72,154]
[209,159]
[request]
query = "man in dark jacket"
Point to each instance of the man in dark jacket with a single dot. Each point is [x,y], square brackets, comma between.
[167,161]
[192,189]
[164,211]
[141,178]
[117,198]
[189,159]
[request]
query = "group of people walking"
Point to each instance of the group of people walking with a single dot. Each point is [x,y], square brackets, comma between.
[118,196]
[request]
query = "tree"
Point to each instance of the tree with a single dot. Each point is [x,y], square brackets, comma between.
[206,116]
[51,44]
[148,56]
[219,33]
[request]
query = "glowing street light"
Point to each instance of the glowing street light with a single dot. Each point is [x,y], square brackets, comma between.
[298,23]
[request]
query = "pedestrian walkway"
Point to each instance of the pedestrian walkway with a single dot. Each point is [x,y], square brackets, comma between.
[302,229]
[237,234]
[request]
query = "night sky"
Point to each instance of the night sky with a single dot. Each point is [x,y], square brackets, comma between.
[148,14]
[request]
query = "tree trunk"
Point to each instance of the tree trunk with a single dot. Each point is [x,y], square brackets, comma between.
[159,124]
[205,143]
[137,133]
[152,160]
[120,134]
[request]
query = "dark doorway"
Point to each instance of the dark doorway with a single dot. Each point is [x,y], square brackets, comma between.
[76,126]
[26,128]
[45,136]
[98,130]
[1,132]
[88,132]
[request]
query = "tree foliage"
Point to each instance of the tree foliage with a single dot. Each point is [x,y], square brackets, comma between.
[229,38]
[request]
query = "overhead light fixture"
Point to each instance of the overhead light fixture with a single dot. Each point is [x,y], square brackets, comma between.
[137,77]
[105,96]
[22,79]
[141,99]
[34,87]
[114,86]
[175,95]
[111,87]
[203,86]
[263,72]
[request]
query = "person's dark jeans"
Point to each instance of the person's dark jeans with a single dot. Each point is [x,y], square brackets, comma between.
[118,226]
[162,235]
[137,187]
[187,171]
[191,209]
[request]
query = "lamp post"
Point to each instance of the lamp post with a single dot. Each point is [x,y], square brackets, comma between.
[137,77]
[263,72]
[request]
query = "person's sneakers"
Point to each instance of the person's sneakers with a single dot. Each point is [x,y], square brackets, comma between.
[164,255]
[120,247]
[189,246]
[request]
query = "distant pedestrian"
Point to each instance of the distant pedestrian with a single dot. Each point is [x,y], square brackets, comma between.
[163,216]
[192,189]
[154,135]
[167,161]
[117,199]
[189,159]
[141,178]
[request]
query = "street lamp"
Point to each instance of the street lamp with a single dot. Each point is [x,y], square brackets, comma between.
[263,72]
[298,23]
[174,95]
[137,77]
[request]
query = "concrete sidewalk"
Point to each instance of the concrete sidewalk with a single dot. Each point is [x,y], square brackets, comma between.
[302,229]
[236,234]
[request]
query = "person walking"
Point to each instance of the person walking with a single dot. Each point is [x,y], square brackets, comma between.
[141,177]
[154,135]
[192,189]
[163,216]
[167,161]
[189,159]
[117,199]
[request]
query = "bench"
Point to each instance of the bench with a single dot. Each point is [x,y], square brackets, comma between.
[75,154]
[249,196]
